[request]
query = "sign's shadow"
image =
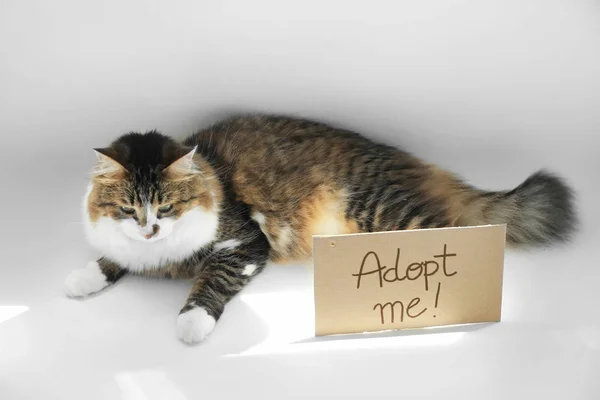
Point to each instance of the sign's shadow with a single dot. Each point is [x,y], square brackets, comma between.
[463,328]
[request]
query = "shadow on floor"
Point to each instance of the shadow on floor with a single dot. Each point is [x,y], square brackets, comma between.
[398,333]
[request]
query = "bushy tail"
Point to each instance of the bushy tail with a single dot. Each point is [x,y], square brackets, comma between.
[538,211]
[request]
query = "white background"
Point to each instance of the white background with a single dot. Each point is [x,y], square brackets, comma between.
[492,90]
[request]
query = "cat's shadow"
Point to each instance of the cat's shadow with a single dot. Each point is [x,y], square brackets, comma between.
[238,329]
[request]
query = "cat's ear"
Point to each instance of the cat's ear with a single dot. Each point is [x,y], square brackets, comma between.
[183,167]
[106,166]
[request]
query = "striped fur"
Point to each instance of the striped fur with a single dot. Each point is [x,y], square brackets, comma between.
[274,182]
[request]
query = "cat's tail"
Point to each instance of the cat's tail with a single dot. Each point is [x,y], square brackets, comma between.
[538,211]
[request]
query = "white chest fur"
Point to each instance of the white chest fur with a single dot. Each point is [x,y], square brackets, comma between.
[192,231]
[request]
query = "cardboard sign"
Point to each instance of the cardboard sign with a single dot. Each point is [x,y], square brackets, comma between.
[408,279]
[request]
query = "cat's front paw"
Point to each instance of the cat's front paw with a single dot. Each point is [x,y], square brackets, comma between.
[85,281]
[194,325]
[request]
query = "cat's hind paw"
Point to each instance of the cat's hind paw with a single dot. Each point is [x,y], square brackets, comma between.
[85,281]
[194,325]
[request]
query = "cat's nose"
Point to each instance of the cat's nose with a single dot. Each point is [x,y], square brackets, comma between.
[155,229]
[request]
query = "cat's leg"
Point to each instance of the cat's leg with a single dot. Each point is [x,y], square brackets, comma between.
[225,273]
[93,278]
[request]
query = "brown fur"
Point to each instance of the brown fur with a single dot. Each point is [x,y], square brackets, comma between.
[300,178]
[307,178]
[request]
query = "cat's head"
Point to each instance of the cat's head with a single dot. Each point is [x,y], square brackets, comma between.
[146,185]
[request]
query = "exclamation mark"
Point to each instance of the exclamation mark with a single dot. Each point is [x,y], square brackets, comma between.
[437,295]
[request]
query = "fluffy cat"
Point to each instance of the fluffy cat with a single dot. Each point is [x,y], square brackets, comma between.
[252,189]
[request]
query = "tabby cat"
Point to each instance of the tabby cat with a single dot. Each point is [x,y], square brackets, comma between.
[252,189]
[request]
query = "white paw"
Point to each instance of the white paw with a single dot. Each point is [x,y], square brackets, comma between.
[88,280]
[193,326]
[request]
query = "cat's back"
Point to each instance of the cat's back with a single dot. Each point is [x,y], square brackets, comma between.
[298,177]
[274,140]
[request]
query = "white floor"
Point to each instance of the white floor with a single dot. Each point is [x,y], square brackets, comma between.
[121,344]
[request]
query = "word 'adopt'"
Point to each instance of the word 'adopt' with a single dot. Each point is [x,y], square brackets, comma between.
[426,271]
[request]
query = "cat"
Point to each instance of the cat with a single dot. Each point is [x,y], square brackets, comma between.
[255,188]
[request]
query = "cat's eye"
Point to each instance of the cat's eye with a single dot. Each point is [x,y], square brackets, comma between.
[165,209]
[127,210]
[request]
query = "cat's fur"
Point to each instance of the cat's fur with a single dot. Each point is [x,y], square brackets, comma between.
[256,188]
